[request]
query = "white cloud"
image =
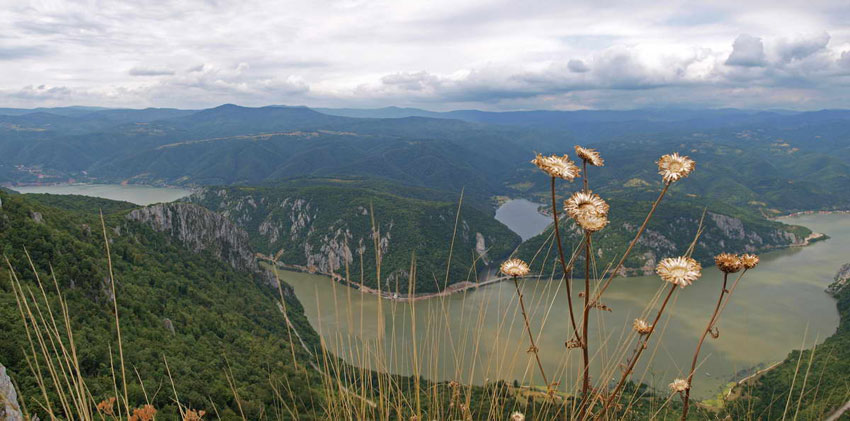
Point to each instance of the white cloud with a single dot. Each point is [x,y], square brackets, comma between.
[438,54]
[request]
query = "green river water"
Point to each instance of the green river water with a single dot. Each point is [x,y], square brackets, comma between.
[479,335]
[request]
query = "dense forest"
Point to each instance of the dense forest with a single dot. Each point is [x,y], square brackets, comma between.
[192,309]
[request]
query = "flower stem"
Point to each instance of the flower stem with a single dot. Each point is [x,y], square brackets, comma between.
[631,245]
[530,334]
[639,350]
[584,173]
[699,346]
[585,386]
[564,266]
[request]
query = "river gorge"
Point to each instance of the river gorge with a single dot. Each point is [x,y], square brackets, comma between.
[478,335]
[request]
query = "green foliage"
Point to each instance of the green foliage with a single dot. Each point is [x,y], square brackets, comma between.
[85,204]
[217,314]
[820,388]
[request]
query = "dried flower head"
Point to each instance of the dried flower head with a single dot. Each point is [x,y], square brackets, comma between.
[642,327]
[193,415]
[557,166]
[581,203]
[673,167]
[517,416]
[679,385]
[749,260]
[145,413]
[681,271]
[728,262]
[590,155]
[107,406]
[514,267]
[592,223]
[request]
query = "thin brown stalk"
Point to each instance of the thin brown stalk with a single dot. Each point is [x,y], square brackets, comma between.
[585,385]
[533,347]
[641,346]
[115,308]
[613,273]
[566,268]
[708,328]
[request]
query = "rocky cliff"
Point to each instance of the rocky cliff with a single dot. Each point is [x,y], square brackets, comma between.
[10,410]
[331,229]
[840,281]
[200,230]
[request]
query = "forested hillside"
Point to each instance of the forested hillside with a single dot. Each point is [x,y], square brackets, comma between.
[669,233]
[773,162]
[330,228]
[191,308]
[827,368]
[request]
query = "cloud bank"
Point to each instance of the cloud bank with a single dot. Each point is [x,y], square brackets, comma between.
[439,54]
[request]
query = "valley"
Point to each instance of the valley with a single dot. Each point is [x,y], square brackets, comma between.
[421,210]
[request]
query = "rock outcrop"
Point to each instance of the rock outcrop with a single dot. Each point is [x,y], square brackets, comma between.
[200,230]
[841,278]
[9,408]
[333,229]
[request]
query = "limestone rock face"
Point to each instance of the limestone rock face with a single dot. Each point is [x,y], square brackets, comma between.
[9,408]
[200,230]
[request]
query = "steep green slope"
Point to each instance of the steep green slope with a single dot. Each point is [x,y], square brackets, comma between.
[329,226]
[669,233]
[192,308]
[819,384]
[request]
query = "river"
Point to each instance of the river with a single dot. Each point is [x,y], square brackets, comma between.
[523,218]
[479,335]
[133,193]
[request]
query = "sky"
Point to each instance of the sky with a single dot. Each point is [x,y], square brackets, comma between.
[432,54]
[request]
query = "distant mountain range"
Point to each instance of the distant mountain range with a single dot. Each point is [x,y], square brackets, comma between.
[776,161]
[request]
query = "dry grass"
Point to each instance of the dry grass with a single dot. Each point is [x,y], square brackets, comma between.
[356,369]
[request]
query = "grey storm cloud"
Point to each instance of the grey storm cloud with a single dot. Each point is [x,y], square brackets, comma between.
[802,47]
[844,61]
[747,51]
[577,66]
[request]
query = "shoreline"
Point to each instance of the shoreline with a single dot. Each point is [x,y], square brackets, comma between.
[451,289]
[468,285]
[732,395]
[810,212]
[158,186]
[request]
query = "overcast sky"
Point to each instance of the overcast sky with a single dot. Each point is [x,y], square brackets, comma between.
[434,54]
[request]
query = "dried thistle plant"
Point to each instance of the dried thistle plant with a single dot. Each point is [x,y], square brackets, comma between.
[674,167]
[727,263]
[516,268]
[557,166]
[591,156]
